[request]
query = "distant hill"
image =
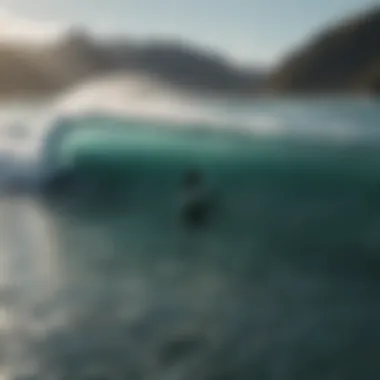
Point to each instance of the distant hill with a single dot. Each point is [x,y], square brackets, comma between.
[343,58]
[182,65]
[28,69]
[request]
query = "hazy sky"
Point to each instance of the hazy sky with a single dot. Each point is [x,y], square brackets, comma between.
[250,30]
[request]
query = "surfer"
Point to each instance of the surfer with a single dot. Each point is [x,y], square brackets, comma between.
[195,205]
[58,183]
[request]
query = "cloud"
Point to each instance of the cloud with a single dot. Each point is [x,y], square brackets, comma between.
[14,27]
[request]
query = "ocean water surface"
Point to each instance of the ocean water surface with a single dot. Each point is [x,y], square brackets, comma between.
[103,280]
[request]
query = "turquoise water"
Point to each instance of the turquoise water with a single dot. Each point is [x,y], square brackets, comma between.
[281,282]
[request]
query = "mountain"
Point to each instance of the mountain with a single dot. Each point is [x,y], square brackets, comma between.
[41,69]
[343,58]
[180,64]
[346,57]
[27,69]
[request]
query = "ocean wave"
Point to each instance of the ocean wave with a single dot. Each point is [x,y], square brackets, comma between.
[283,283]
[129,98]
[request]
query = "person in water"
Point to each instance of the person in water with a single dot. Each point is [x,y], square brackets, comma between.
[195,206]
[58,183]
